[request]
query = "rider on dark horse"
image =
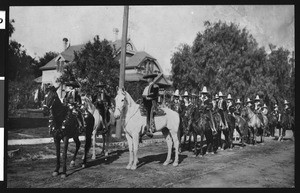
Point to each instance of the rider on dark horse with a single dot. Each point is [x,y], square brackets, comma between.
[207,106]
[150,97]
[176,103]
[287,111]
[230,106]
[222,109]
[102,101]
[73,100]
[258,108]
[238,107]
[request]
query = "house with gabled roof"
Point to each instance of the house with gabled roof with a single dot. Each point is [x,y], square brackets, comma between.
[138,63]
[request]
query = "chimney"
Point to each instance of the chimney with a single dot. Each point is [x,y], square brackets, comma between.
[66,43]
[116,31]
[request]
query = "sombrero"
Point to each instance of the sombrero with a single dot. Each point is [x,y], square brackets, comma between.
[204,90]
[176,93]
[221,94]
[186,94]
[229,97]
[257,98]
[285,102]
[248,100]
[238,101]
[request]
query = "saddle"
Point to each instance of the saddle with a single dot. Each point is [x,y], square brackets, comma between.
[158,112]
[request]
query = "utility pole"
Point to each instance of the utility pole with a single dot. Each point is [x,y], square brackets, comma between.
[123,63]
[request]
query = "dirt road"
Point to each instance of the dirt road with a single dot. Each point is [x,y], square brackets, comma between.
[271,164]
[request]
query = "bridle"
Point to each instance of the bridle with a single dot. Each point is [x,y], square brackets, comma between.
[120,109]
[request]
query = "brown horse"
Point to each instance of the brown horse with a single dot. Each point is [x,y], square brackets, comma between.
[255,125]
[242,128]
[63,125]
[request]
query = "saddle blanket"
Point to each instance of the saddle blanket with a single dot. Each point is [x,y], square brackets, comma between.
[159,112]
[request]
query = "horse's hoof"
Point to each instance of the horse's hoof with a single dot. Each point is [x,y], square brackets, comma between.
[72,164]
[63,176]
[175,164]
[93,157]
[166,163]
[133,167]
[221,149]
[128,167]
[212,152]
[83,166]
[54,174]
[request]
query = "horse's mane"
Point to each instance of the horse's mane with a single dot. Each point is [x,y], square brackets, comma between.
[89,102]
[129,99]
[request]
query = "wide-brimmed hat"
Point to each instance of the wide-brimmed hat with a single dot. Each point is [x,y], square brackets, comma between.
[100,84]
[216,97]
[265,106]
[257,98]
[275,106]
[176,93]
[73,83]
[221,94]
[186,94]
[229,97]
[204,90]
[238,101]
[286,102]
[150,76]
[248,100]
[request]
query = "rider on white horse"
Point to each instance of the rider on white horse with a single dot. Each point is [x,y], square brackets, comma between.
[150,96]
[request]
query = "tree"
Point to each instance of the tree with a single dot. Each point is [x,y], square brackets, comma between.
[93,64]
[226,58]
[19,72]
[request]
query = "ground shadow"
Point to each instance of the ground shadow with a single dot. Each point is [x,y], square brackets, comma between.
[160,158]
[112,156]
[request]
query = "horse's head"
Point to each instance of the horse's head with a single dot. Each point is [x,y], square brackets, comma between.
[120,102]
[50,97]
[244,112]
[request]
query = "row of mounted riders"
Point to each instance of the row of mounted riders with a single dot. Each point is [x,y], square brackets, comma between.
[200,116]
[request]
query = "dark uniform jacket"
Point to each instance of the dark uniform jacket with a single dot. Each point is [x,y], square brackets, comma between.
[102,98]
[152,93]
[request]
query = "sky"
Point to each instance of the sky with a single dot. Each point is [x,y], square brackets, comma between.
[158,30]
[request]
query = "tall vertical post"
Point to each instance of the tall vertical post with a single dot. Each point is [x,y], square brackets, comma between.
[123,63]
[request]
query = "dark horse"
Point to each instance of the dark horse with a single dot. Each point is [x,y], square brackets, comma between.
[274,123]
[199,125]
[64,125]
[227,132]
[288,123]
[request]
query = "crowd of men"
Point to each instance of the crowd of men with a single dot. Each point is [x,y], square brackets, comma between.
[224,105]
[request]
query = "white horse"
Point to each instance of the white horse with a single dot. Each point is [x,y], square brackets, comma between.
[98,124]
[134,125]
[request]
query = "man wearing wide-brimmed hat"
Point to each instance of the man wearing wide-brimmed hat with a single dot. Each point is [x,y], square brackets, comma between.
[222,109]
[175,105]
[230,107]
[238,105]
[73,100]
[150,97]
[215,101]
[249,103]
[258,108]
[207,106]
[102,101]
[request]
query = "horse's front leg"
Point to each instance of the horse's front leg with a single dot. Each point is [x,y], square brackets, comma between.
[130,148]
[77,142]
[87,146]
[135,140]
[57,147]
[194,134]
[103,146]
[167,136]
[94,144]
[65,153]
[201,144]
